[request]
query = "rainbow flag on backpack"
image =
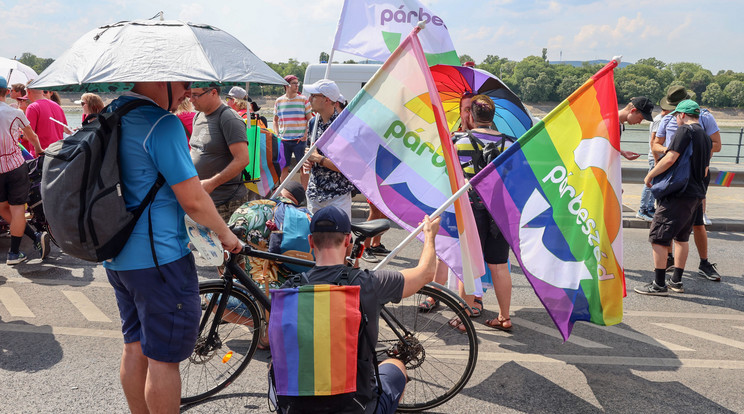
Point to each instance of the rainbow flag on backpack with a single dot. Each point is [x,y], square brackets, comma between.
[556,196]
[314,335]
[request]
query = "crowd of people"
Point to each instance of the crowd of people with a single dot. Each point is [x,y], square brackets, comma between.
[202,153]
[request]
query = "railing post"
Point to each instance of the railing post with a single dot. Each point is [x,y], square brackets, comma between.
[738,149]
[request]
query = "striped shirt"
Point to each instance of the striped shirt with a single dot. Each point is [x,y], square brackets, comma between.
[466,149]
[292,114]
[11,122]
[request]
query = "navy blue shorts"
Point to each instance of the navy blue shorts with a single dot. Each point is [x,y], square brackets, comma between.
[294,147]
[162,316]
[393,383]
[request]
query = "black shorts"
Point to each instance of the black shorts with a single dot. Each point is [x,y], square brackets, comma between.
[673,220]
[14,186]
[698,219]
[494,244]
[293,149]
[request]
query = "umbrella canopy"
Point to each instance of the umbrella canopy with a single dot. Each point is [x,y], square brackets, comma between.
[511,117]
[16,72]
[110,58]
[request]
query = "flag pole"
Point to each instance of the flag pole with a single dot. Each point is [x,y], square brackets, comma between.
[418,229]
[299,163]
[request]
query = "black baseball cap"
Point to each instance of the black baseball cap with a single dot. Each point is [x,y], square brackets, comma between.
[297,191]
[330,219]
[645,106]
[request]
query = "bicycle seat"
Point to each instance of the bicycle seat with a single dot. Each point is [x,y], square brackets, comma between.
[370,228]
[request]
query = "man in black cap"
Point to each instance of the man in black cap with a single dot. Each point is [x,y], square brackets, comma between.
[330,238]
[637,110]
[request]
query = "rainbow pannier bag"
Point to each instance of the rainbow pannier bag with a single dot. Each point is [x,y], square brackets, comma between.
[314,338]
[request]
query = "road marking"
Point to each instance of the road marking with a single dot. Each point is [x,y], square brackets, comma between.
[61,330]
[702,335]
[57,282]
[552,332]
[637,336]
[650,314]
[510,356]
[14,304]
[86,307]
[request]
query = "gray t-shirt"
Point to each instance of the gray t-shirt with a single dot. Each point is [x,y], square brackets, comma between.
[210,149]
[377,288]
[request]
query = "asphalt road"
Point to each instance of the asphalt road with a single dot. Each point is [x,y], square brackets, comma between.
[60,345]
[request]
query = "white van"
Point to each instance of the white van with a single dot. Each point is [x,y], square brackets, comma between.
[350,77]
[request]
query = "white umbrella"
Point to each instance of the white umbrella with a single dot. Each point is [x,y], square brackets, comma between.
[109,57]
[16,72]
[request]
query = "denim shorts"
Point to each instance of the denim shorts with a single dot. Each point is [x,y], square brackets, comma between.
[293,147]
[162,316]
[393,383]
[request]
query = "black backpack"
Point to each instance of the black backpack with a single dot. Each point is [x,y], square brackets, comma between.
[488,152]
[82,191]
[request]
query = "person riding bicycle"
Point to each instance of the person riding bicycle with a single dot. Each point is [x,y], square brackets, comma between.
[330,239]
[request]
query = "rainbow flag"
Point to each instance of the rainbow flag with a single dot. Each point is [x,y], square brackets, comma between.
[392,142]
[725,178]
[270,164]
[314,335]
[556,196]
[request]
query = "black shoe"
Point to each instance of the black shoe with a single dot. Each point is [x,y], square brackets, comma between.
[378,250]
[42,244]
[652,289]
[708,270]
[675,286]
[369,257]
[670,263]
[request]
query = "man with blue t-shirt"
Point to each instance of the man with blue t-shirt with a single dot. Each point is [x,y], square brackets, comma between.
[159,302]
[664,135]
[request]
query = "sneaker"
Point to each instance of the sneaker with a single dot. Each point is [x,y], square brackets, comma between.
[379,250]
[675,286]
[15,258]
[42,244]
[670,264]
[644,216]
[709,271]
[369,257]
[706,220]
[652,289]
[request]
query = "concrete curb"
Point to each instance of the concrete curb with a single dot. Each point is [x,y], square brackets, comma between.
[717,224]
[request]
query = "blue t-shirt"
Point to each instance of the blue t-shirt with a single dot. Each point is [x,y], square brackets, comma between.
[152,140]
[668,126]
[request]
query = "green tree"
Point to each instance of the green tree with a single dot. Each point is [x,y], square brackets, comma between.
[735,93]
[323,57]
[568,85]
[700,81]
[350,61]
[545,54]
[530,90]
[652,62]
[714,96]
[36,63]
[465,58]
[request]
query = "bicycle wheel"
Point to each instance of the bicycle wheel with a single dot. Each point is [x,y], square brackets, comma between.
[218,360]
[439,357]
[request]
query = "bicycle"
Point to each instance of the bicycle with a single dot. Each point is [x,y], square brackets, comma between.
[439,358]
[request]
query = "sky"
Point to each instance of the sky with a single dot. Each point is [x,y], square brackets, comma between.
[699,31]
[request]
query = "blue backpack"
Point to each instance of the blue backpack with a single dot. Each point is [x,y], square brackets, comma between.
[290,238]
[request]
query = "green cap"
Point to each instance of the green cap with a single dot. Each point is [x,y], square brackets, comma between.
[688,106]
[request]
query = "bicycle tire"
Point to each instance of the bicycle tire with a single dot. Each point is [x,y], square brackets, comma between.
[446,359]
[211,368]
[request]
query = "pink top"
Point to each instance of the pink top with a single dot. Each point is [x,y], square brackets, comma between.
[38,114]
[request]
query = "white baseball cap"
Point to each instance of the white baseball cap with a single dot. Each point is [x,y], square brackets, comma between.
[325,87]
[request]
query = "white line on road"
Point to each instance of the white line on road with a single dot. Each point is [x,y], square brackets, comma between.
[60,330]
[86,307]
[637,336]
[14,304]
[552,332]
[702,335]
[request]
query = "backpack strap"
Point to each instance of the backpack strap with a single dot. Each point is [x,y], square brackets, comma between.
[477,157]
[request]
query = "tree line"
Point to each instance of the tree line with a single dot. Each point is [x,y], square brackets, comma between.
[534,79]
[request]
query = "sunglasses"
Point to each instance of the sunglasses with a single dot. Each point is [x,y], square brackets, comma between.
[199,95]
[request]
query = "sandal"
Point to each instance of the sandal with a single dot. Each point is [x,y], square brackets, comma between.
[428,304]
[476,311]
[498,323]
[457,323]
